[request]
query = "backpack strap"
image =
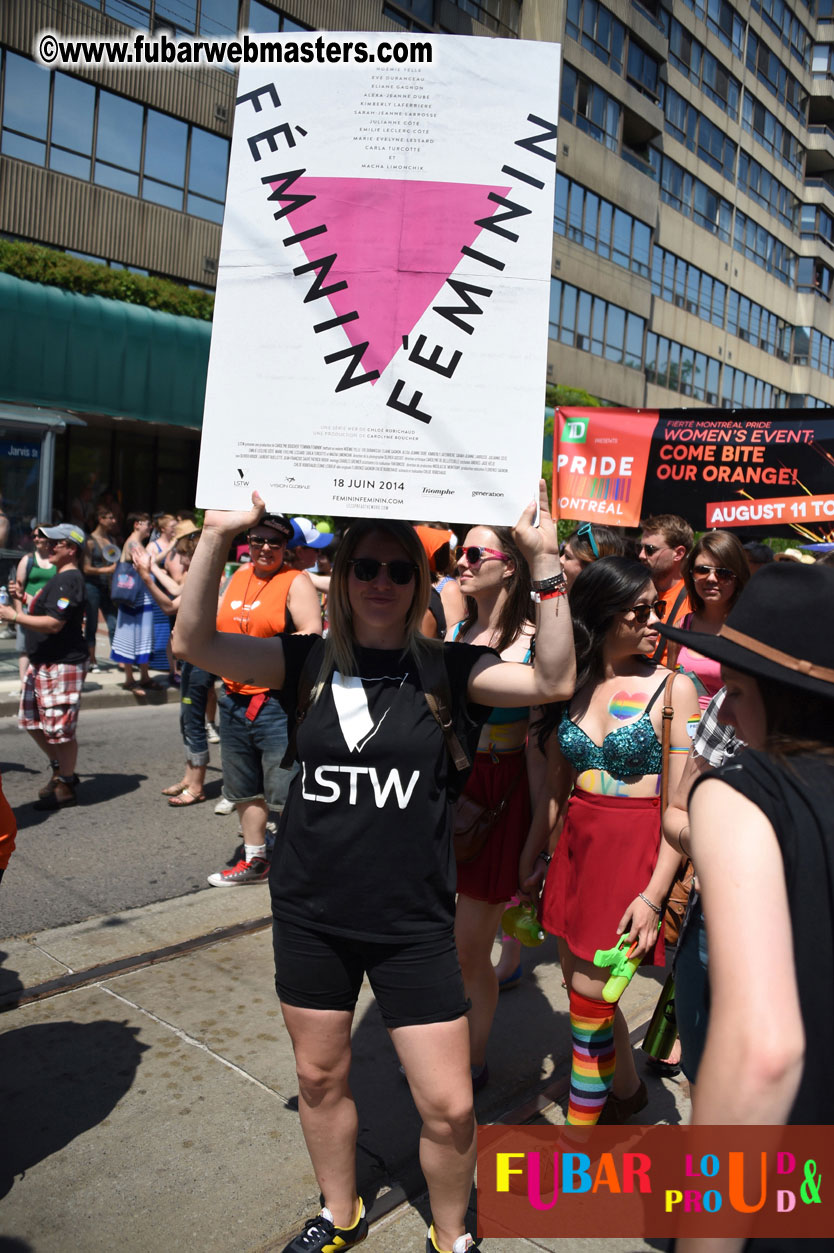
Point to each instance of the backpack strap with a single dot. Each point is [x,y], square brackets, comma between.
[306,679]
[434,680]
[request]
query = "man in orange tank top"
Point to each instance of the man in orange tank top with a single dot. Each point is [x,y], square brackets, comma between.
[666,539]
[262,599]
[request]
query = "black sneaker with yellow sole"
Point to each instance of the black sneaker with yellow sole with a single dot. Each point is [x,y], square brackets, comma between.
[321,1235]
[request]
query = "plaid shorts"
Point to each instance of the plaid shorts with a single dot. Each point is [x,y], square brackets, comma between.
[50,699]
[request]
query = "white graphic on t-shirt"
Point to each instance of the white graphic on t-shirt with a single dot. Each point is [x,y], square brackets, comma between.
[382,790]
[351,703]
[236,604]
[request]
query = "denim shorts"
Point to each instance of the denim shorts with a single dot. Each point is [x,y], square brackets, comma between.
[414,983]
[252,751]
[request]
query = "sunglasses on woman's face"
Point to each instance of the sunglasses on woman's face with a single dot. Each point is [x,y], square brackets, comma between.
[474,556]
[721,573]
[367,568]
[265,541]
[642,613]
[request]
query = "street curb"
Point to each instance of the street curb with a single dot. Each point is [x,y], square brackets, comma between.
[105,697]
[95,974]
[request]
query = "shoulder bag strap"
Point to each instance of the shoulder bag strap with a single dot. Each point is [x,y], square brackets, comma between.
[434,680]
[306,679]
[666,742]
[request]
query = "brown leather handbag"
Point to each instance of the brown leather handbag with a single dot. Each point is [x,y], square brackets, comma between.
[678,896]
[472,822]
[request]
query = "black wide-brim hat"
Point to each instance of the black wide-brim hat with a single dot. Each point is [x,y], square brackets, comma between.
[781,628]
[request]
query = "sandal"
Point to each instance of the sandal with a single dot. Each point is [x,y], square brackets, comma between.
[179,802]
[54,802]
[173,790]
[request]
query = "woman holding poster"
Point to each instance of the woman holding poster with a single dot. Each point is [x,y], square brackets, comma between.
[363,879]
[611,871]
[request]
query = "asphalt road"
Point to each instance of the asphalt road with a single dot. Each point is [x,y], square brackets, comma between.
[122,845]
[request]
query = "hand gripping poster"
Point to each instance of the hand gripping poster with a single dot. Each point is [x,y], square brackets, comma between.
[380,330]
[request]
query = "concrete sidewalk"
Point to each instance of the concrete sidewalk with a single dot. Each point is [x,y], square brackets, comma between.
[150,1098]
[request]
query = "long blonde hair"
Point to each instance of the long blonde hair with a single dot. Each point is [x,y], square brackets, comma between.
[339,645]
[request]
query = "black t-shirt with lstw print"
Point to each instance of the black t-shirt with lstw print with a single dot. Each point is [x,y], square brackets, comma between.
[364,847]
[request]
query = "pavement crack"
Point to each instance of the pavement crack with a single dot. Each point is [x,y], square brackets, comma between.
[193,1042]
[53,957]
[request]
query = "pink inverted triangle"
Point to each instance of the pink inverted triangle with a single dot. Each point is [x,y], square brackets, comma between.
[396,244]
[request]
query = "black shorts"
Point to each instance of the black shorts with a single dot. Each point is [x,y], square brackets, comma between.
[416,982]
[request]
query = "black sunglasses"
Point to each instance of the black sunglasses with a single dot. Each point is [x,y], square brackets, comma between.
[259,541]
[722,574]
[367,568]
[648,549]
[642,613]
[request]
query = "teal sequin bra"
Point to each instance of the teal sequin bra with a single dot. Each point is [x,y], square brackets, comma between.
[625,753]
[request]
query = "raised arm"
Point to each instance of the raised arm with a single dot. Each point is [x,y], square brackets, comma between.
[243,658]
[142,561]
[553,673]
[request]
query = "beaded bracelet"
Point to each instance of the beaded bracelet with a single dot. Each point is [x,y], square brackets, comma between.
[650,904]
[545,857]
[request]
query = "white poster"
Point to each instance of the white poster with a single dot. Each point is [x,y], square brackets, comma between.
[380,332]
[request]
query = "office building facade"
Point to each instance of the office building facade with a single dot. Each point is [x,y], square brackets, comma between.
[693,244]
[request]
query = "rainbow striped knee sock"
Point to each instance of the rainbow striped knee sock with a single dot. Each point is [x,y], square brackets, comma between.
[594,1059]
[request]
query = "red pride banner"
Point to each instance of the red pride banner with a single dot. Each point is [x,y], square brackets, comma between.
[763,469]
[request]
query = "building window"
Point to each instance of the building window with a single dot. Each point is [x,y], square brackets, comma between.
[761,186]
[184,167]
[642,70]
[680,369]
[597,225]
[598,30]
[590,108]
[783,21]
[722,20]
[683,284]
[592,324]
[769,70]
[411,14]
[264,20]
[772,135]
[744,391]
[815,276]
[697,133]
[690,196]
[189,17]
[702,68]
[759,246]
[817,223]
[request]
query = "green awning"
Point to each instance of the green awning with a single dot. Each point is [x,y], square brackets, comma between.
[93,355]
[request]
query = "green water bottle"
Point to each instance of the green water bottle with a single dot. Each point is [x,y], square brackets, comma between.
[663,1028]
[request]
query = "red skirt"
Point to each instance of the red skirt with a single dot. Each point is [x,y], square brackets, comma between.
[493,875]
[605,856]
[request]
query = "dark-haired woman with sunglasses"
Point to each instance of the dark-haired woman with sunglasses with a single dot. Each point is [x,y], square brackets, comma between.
[611,871]
[363,879]
[495,579]
[715,571]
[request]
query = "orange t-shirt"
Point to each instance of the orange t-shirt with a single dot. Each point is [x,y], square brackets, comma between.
[674,612]
[254,606]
